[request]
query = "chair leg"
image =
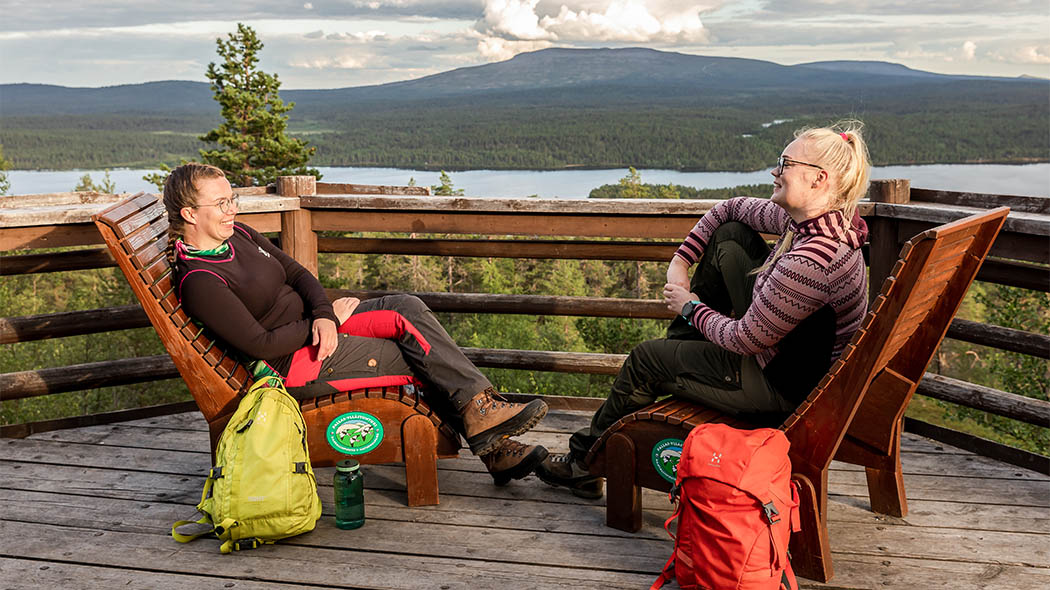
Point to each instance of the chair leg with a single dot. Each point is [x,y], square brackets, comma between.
[623,504]
[886,482]
[810,547]
[419,446]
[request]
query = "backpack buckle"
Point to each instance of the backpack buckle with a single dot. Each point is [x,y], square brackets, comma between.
[300,467]
[242,544]
[772,514]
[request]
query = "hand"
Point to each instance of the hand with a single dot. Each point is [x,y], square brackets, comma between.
[344,308]
[678,273]
[325,337]
[676,296]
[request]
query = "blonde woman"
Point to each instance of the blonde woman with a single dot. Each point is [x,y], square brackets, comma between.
[757,327]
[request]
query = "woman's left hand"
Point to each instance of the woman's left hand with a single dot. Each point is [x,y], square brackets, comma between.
[325,337]
[676,296]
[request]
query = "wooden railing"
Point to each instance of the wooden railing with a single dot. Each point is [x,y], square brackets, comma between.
[297,209]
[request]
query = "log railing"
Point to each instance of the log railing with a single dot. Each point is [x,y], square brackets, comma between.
[297,209]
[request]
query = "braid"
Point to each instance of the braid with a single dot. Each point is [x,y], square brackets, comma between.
[169,251]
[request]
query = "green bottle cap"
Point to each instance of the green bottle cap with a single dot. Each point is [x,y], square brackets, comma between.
[347,465]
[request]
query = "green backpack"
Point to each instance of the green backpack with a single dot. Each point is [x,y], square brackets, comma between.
[262,487]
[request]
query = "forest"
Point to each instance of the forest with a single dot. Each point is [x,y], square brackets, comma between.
[671,133]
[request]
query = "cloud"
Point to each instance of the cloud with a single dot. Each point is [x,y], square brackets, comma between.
[631,21]
[500,49]
[1033,53]
[969,49]
[340,62]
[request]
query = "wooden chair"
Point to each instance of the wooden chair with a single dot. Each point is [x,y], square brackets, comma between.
[876,373]
[135,230]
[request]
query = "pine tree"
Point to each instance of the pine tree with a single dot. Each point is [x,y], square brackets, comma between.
[254,149]
[106,185]
[5,184]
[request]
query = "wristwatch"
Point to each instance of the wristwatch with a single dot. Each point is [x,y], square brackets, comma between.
[687,311]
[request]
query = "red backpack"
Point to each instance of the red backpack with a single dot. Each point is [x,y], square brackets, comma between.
[736,511]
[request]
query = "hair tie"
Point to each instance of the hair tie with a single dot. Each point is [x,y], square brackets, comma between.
[844,136]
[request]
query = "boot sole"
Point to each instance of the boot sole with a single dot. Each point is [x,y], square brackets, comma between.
[485,442]
[522,469]
[593,491]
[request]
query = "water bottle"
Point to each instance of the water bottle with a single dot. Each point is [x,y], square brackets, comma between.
[349,486]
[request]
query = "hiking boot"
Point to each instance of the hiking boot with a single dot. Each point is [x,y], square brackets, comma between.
[488,419]
[561,469]
[513,460]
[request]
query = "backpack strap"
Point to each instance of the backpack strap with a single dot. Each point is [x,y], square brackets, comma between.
[665,575]
[206,528]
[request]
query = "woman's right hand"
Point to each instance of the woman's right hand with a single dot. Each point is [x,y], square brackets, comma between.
[678,273]
[344,307]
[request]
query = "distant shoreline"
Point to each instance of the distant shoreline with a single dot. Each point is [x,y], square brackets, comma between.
[1005,162]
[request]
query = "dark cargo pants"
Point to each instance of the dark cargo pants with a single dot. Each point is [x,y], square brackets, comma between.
[391,340]
[686,365]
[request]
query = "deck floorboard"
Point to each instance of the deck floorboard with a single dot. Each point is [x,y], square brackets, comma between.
[91,508]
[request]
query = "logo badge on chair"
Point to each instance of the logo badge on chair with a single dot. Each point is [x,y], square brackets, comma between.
[666,455]
[355,433]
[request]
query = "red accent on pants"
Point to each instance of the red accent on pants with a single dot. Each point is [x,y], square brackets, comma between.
[386,324]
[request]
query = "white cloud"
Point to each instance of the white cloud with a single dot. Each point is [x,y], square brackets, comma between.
[631,21]
[308,6]
[500,49]
[339,62]
[1025,54]
[969,50]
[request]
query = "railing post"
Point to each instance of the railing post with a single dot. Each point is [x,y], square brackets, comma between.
[297,235]
[883,232]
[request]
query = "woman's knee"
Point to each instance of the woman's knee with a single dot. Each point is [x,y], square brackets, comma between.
[405,303]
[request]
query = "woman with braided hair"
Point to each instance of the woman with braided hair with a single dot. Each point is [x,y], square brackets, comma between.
[757,328]
[266,306]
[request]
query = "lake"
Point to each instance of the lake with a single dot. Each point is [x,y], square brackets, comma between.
[1022,179]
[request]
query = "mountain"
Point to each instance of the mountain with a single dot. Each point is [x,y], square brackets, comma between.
[579,76]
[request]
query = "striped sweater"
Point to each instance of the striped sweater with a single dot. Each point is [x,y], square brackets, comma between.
[824,266]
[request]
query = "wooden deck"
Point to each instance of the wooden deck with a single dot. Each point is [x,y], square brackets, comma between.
[91,508]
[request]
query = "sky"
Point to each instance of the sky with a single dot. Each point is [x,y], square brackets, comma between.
[341,43]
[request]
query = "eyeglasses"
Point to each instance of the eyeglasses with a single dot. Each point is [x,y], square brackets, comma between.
[784,161]
[227,206]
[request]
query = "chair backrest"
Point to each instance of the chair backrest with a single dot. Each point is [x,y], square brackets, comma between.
[901,332]
[135,230]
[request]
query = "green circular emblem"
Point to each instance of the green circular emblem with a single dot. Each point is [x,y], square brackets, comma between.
[666,455]
[355,433]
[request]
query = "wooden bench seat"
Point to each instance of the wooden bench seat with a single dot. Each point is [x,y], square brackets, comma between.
[874,379]
[135,231]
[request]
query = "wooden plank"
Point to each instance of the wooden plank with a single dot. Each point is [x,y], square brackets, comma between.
[527,304]
[1015,274]
[694,208]
[980,200]
[516,506]
[1020,341]
[624,226]
[71,323]
[25,574]
[1035,224]
[48,236]
[26,429]
[56,262]
[331,188]
[1019,491]
[24,384]
[1001,403]
[536,249]
[289,563]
